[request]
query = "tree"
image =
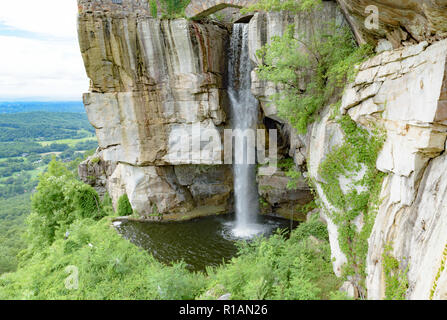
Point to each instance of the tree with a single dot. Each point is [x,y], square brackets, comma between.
[124,207]
[174,8]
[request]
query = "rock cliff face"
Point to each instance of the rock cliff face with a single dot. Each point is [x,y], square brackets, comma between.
[154,85]
[262,28]
[404,91]
[152,81]
[402,22]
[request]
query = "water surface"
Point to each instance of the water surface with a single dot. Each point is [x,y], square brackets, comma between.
[201,242]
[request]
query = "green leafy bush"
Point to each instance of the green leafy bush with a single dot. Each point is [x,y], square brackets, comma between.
[311,73]
[59,200]
[124,206]
[153,7]
[65,232]
[280,268]
[311,69]
[174,8]
[396,282]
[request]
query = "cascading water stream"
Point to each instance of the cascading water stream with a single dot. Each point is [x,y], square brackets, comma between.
[244,107]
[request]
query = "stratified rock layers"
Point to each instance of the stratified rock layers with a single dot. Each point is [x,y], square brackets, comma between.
[154,85]
[405,92]
[400,21]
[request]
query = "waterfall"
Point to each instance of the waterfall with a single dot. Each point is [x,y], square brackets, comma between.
[244,112]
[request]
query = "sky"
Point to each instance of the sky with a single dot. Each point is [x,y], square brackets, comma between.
[40,57]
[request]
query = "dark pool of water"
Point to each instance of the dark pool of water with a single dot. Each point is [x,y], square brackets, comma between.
[201,242]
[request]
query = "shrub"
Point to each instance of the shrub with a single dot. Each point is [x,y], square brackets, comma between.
[310,69]
[124,206]
[279,268]
[174,8]
[153,7]
[60,199]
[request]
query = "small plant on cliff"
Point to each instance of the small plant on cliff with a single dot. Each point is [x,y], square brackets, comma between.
[174,8]
[438,274]
[153,7]
[124,207]
[396,282]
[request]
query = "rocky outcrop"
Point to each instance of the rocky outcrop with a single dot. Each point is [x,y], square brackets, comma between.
[282,201]
[402,22]
[155,84]
[404,91]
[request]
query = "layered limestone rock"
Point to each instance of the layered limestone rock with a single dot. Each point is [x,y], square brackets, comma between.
[402,22]
[405,92]
[157,100]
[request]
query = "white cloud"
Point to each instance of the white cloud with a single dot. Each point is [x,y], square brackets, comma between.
[51,17]
[48,65]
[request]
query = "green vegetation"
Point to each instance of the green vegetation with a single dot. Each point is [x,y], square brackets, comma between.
[311,69]
[153,7]
[283,5]
[18,184]
[13,212]
[355,159]
[171,9]
[396,282]
[44,126]
[438,274]
[69,227]
[35,133]
[279,268]
[124,207]
[28,141]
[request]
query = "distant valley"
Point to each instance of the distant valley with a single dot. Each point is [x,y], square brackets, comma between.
[31,134]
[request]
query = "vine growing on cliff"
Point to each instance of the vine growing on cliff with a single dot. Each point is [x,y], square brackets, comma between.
[396,282]
[438,274]
[357,200]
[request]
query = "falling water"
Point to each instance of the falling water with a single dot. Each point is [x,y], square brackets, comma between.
[244,108]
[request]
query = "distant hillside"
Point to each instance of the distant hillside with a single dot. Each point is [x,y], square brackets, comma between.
[50,106]
[44,126]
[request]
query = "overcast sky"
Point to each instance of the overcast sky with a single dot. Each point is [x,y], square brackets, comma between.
[39,51]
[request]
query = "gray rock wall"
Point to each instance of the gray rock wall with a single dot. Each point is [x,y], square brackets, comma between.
[152,82]
[403,91]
